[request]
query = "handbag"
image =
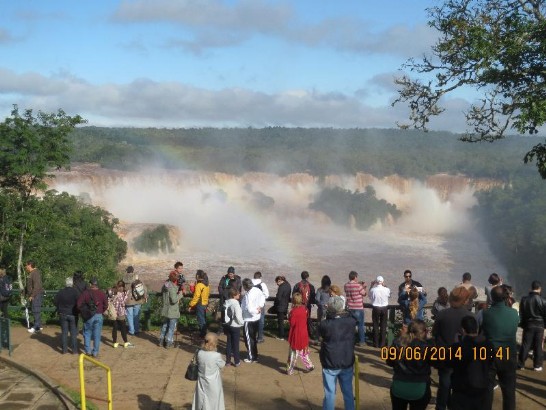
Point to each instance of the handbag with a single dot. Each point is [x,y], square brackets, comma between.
[110,312]
[192,372]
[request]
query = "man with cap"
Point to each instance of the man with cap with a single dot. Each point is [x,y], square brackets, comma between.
[92,328]
[379,296]
[337,354]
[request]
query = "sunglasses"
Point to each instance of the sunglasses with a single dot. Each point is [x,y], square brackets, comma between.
[407,276]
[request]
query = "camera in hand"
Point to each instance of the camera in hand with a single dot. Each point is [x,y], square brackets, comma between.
[180,282]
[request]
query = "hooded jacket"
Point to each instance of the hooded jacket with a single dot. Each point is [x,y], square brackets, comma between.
[253,300]
[234,313]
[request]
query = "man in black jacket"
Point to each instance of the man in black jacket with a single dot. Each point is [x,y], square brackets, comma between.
[65,302]
[532,315]
[282,300]
[337,354]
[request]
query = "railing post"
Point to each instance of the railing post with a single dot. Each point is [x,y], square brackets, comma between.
[5,334]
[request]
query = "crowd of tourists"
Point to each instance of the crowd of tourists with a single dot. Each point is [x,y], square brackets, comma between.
[472,344]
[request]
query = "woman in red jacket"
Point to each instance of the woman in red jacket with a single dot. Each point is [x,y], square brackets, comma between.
[298,337]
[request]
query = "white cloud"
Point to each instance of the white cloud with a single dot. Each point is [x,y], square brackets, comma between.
[216,24]
[144,102]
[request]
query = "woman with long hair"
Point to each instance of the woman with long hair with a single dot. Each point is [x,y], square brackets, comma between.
[411,376]
[200,300]
[209,392]
[118,299]
[412,303]
[322,297]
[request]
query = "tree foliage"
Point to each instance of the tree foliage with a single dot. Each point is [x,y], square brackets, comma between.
[30,146]
[497,47]
[513,221]
[56,230]
[344,206]
[62,235]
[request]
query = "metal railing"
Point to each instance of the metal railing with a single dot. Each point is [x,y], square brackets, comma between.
[82,381]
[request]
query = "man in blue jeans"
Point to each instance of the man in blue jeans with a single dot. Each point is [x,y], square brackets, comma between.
[92,328]
[337,354]
[355,292]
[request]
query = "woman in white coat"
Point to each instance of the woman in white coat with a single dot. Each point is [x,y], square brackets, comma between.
[209,393]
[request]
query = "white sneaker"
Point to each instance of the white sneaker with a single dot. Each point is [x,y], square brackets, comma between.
[31,330]
[538,369]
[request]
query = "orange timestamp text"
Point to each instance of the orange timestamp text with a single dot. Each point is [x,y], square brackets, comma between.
[421,353]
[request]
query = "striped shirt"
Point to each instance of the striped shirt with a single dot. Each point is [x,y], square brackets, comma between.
[355,293]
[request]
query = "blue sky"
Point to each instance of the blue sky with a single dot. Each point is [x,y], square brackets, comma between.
[183,63]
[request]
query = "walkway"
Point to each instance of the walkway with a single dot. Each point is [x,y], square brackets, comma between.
[149,377]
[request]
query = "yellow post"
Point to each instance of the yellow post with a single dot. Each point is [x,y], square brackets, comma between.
[357,383]
[82,380]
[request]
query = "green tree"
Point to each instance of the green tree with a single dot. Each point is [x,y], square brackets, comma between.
[495,46]
[513,222]
[66,235]
[29,147]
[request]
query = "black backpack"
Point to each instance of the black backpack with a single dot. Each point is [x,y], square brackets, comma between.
[6,288]
[89,308]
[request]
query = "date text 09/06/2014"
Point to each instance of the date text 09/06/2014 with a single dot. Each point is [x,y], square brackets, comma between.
[442,353]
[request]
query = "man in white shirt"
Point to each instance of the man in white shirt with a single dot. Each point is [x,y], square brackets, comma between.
[252,306]
[258,283]
[379,296]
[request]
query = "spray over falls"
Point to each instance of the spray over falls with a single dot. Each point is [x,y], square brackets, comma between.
[260,221]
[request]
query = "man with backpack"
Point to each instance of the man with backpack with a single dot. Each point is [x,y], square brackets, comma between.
[470,377]
[93,300]
[5,292]
[136,297]
[258,283]
[307,291]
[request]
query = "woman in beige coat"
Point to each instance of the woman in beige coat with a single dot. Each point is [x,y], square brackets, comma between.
[209,392]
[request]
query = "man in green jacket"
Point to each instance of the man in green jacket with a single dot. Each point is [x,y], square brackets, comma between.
[500,324]
[170,310]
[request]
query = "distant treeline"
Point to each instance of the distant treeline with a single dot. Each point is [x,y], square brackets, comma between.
[319,151]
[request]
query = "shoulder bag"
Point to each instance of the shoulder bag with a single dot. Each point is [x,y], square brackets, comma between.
[192,372]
